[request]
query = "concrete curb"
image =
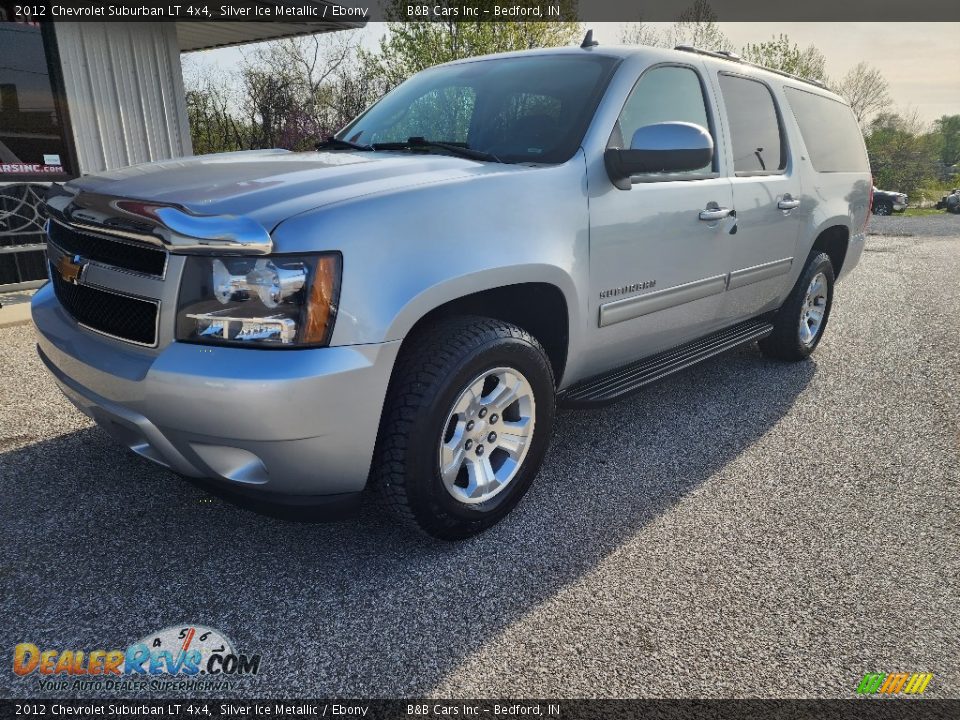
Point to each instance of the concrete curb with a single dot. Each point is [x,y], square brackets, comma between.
[11,315]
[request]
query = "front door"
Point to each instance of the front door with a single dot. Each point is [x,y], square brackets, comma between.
[658,251]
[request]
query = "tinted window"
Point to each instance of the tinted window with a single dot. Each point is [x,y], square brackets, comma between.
[663,94]
[532,109]
[829,131]
[31,132]
[754,126]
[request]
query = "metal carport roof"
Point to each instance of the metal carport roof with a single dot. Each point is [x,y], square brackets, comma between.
[205,35]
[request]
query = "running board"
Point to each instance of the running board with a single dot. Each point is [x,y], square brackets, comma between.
[624,380]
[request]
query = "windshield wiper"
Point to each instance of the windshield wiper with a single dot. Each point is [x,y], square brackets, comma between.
[419,142]
[334,142]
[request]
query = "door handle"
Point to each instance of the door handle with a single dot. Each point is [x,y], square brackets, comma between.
[788,203]
[715,213]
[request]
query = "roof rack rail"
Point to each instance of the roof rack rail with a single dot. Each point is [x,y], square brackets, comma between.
[727,55]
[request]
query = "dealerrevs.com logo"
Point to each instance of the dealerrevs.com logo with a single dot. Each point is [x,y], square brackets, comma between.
[894,683]
[187,657]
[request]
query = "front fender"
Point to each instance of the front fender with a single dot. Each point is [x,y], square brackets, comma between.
[409,251]
[451,289]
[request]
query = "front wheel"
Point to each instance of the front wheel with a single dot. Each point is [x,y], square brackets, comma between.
[468,419]
[801,320]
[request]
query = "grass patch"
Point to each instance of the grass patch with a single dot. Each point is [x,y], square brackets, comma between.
[920,212]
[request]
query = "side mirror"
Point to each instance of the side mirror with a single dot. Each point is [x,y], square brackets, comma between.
[668,147]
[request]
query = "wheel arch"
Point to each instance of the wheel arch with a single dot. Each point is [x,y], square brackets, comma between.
[539,307]
[834,240]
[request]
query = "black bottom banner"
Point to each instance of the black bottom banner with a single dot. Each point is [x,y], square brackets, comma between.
[890,709]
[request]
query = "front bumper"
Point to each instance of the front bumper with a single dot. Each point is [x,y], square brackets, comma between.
[282,422]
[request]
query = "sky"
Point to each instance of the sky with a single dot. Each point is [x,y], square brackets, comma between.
[920,61]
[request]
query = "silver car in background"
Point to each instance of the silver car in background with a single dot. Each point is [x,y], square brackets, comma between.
[407,306]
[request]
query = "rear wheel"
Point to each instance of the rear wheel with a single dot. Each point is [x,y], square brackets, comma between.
[802,319]
[467,421]
[882,207]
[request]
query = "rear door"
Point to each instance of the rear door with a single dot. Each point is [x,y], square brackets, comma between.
[767,197]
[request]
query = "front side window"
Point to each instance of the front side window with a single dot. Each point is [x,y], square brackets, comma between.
[755,130]
[527,109]
[663,94]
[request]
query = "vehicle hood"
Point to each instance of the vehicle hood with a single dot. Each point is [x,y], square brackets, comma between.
[270,186]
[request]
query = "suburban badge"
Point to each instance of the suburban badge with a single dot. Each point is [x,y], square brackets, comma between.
[627,289]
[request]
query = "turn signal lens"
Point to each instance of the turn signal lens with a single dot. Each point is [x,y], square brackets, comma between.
[322,301]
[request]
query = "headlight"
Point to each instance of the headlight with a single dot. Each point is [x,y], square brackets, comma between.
[267,301]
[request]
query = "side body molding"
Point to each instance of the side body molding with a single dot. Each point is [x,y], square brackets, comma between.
[637,306]
[758,273]
[640,305]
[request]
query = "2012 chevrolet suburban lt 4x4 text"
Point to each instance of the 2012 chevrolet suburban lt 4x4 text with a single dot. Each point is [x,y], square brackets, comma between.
[407,306]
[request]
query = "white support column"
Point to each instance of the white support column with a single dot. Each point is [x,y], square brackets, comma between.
[125,96]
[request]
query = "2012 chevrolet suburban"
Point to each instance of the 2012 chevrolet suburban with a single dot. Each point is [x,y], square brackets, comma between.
[407,306]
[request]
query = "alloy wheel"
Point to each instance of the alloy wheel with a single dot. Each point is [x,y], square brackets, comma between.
[487,434]
[813,310]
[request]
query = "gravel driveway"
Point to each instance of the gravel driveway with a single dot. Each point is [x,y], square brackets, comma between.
[747,528]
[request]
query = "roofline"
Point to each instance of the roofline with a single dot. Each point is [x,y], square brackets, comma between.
[732,57]
[623,52]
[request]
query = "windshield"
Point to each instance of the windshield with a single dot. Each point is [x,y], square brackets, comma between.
[519,109]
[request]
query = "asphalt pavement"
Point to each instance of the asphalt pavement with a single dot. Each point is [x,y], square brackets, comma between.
[745,529]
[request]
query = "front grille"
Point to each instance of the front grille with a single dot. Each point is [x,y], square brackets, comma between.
[110,252]
[120,316]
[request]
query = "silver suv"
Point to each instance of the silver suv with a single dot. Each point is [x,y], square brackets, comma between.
[406,307]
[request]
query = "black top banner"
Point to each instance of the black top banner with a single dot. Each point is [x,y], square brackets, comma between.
[357,11]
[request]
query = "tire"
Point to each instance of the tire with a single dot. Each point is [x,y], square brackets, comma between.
[431,418]
[789,341]
[882,208]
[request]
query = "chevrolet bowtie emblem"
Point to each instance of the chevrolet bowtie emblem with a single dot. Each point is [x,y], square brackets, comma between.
[71,268]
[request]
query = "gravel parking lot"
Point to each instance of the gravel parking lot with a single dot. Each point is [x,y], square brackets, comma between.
[745,529]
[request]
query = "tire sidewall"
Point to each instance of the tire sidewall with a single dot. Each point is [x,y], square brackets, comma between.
[430,499]
[818,264]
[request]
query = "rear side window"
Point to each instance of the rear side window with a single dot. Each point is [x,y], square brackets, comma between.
[829,131]
[755,130]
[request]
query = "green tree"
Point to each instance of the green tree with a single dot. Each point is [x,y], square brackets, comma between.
[903,154]
[411,46]
[948,129]
[780,53]
[697,26]
[640,33]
